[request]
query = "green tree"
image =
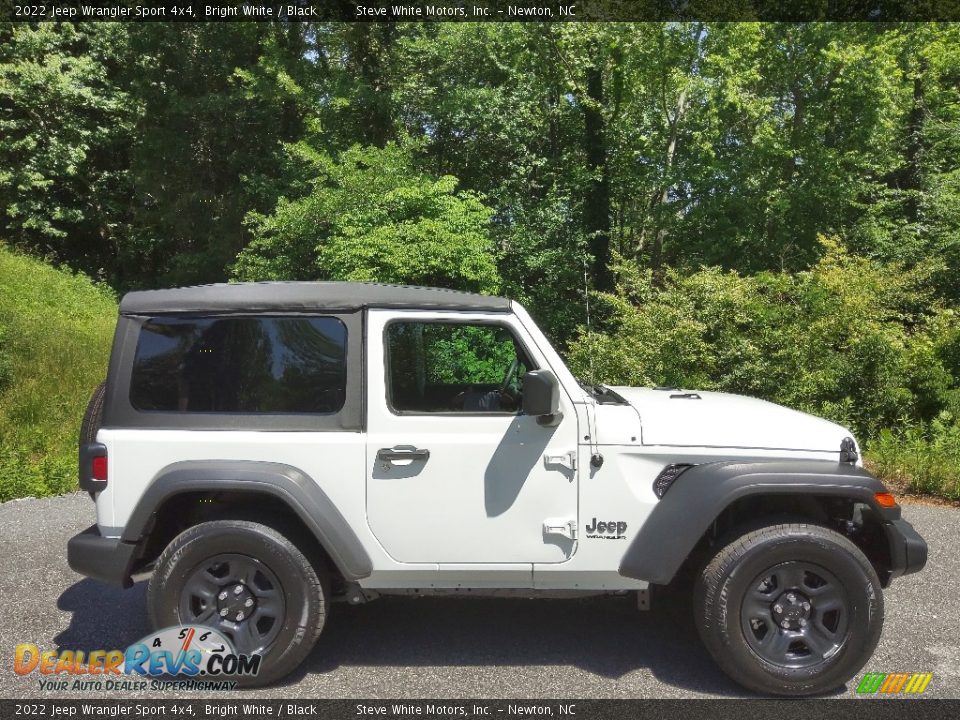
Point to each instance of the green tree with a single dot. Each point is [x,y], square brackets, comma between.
[785,133]
[371,216]
[916,212]
[521,143]
[357,103]
[219,100]
[65,123]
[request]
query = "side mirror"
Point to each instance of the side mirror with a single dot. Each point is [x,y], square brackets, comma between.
[541,396]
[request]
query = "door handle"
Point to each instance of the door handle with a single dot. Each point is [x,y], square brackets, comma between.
[402,452]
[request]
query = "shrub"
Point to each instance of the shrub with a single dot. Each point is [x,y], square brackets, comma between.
[923,459]
[859,342]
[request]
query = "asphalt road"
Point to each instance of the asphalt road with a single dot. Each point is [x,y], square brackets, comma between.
[453,648]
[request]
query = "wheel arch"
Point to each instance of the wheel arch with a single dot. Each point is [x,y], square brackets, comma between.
[712,500]
[193,491]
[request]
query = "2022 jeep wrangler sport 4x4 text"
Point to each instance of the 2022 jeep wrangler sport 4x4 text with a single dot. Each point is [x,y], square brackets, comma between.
[265,449]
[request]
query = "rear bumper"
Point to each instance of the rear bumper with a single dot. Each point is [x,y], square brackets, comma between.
[101,558]
[908,551]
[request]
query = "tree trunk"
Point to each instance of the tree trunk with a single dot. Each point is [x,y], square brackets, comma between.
[663,196]
[371,49]
[913,173]
[597,210]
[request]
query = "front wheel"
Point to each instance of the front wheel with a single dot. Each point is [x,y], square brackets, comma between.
[791,609]
[248,582]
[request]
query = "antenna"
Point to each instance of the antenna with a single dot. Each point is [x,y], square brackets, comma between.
[596,459]
[586,296]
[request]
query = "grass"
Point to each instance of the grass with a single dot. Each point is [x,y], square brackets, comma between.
[924,459]
[55,332]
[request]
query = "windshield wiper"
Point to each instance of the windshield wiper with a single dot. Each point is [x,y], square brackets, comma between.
[602,394]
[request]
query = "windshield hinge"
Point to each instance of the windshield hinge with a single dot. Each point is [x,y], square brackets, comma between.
[567,460]
[565,528]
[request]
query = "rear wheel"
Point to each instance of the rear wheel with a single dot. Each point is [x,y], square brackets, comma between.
[248,582]
[791,609]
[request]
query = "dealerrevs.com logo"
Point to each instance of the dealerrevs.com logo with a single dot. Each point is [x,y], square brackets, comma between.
[894,683]
[203,657]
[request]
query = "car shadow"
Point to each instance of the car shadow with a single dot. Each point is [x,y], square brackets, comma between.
[104,617]
[606,635]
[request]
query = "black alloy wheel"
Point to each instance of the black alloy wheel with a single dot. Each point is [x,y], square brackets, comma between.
[795,615]
[247,581]
[237,595]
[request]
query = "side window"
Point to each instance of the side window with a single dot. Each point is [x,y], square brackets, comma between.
[240,364]
[454,367]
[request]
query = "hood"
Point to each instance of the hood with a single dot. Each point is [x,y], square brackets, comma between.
[711,419]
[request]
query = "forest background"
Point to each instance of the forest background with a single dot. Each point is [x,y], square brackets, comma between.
[762,208]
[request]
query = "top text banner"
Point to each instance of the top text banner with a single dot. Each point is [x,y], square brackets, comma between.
[878,11]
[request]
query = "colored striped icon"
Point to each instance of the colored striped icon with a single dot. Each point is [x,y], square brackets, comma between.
[893,683]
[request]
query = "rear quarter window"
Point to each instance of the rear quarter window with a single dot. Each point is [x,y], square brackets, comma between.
[240,365]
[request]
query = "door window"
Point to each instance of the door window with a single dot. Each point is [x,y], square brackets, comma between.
[438,367]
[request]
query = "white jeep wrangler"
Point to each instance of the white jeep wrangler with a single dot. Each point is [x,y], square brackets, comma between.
[266,449]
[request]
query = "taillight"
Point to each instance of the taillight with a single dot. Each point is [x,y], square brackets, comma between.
[98,468]
[93,467]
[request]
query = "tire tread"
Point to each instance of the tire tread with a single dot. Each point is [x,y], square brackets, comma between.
[93,416]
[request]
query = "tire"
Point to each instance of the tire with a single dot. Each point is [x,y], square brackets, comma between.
[93,417]
[811,578]
[273,572]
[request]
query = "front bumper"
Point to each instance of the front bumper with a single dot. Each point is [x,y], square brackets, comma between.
[101,558]
[908,551]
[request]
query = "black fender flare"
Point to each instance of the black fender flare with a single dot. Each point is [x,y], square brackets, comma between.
[700,494]
[292,486]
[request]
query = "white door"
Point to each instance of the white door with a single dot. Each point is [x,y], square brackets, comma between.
[455,474]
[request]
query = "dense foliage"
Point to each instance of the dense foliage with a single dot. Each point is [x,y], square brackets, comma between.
[924,458]
[850,339]
[685,174]
[372,217]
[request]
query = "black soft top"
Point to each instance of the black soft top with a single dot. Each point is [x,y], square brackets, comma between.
[308,296]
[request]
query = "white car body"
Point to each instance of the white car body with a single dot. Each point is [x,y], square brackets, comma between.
[503,502]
